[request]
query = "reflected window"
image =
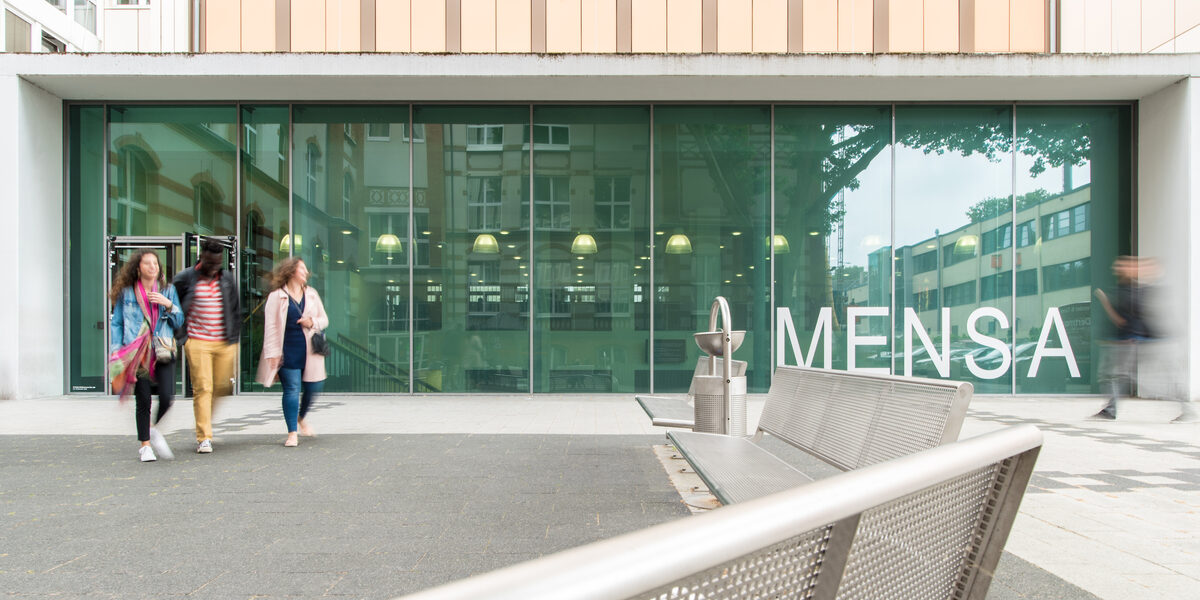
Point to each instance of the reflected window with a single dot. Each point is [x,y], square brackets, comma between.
[613,204]
[956,253]
[552,202]
[390,223]
[483,203]
[1066,275]
[133,171]
[347,193]
[1065,222]
[995,286]
[1027,284]
[924,262]
[204,202]
[312,155]
[997,239]
[549,137]
[485,137]
[1026,234]
[379,132]
[963,293]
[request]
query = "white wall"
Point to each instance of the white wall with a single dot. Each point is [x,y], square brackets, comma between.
[162,26]
[31,200]
[57,23]
[1167,221]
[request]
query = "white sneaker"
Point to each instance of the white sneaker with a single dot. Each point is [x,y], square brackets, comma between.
[146,453]
[204,447]
[159,443]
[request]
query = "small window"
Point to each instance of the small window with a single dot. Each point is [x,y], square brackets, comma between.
[485,137]
[379,132]
[52,45]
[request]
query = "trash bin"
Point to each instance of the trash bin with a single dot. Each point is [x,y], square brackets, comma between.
[710,409]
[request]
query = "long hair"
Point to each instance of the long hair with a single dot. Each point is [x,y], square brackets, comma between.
[128,275]
[283,272]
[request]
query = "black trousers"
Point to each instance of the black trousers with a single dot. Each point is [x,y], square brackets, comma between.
[164,384]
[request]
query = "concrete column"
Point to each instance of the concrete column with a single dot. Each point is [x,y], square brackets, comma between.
[31,200]
[1167,219]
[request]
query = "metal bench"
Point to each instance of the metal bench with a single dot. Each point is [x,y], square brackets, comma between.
[848,420]
[667,411]
[926,525]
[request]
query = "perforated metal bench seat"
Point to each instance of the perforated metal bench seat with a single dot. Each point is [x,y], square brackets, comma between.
[735,468]
[847,420]
[668,412]
[665,411]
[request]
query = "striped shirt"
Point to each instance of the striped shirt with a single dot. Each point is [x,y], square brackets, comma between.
[205,318]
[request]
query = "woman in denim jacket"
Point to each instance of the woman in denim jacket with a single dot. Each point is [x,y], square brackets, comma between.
[140,295]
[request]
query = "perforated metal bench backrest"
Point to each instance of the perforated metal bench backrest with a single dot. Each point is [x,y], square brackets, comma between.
[931,525]
[852,420]
[737,366]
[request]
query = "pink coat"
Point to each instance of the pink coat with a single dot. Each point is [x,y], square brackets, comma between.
[275,314]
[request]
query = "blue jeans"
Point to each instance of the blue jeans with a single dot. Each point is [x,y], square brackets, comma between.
[293,404]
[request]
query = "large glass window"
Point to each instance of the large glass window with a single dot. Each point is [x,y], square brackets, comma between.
[471,297]
[265,218]
[351,210]
[88,315]
[591,242]
[168,161]
[832,235]
[954,197]
[711,219]
[1073,168]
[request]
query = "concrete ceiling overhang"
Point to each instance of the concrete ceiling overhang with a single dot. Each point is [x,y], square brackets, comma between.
[600,77]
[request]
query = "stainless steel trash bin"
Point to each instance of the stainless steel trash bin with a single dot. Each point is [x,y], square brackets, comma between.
[710,407]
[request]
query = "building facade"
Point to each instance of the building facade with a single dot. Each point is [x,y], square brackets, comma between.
[545,196]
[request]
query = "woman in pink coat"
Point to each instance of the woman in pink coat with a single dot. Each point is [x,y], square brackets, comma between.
[293,314]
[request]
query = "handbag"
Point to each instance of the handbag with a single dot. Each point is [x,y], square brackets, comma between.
[165,348]
[320,345]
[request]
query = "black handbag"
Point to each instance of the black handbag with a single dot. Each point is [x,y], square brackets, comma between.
[320,345]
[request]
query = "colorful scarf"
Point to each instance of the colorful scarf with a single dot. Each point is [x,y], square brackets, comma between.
[137,357]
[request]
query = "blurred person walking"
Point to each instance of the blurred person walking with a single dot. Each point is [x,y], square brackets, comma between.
[143,349]
[293,314]
[210,302]
[1136,343]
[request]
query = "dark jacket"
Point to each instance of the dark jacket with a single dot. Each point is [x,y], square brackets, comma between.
[185,280]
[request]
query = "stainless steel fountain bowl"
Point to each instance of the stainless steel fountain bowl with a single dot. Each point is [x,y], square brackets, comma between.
[711,341]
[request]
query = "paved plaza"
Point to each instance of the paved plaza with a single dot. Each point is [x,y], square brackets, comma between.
[398,494]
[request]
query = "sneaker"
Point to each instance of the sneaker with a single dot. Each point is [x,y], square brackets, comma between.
[1187,415]
[146,454]
[159,443]
[1103,415]
[204,447]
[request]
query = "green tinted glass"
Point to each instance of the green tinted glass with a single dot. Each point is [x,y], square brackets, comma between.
[591,248]
[85,250]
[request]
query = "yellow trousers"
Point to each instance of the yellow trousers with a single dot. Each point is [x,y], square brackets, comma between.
[210,365]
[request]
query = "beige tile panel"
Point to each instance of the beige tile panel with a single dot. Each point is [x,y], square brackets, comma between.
[856,26]
[393,26]
[513,26]
[563,26]
[1126,26]
[1097,26]
[1187,17]
[226,37]
[599,30]
[343,26]
[735,27]
[991,25]
[478,25]
[1028,29]
[685,25]
[1189,41]
[941,26]
[428,26]
[1158,23]
[770,25]
[906,24]
[820,24]
[649,25]
[308,25]
[1071,25]
[261,36]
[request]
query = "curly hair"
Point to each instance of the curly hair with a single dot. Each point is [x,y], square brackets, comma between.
[129,274]
[284,271]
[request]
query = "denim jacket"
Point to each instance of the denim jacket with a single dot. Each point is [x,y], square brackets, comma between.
[127,318]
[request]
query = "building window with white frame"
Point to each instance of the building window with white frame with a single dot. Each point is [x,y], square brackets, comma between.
[549,137]
[379,132]
[485,137]
[85,14]
[613,203]
[132,187]
[551,202]
[483,203]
